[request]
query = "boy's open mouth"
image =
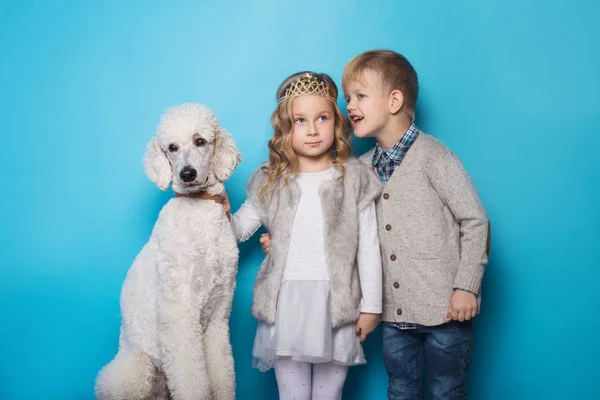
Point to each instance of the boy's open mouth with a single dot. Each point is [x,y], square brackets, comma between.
[355,119]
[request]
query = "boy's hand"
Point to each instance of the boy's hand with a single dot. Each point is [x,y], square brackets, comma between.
[366,324]
[463,306]
[265,242]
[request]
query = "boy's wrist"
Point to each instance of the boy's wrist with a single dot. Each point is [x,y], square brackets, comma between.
[465,290]
[467,283]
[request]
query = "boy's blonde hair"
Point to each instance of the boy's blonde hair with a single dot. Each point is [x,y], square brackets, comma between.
[283,161]
[395,73]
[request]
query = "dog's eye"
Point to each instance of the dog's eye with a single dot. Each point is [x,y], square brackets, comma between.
[200,142]
[173,148]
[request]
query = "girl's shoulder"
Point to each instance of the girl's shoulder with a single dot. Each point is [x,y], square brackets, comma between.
[356,169]
[356,165]
[362,179]
[256,181]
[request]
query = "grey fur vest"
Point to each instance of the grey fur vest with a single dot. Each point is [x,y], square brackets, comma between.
[341,200]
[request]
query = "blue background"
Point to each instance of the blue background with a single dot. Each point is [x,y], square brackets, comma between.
[511,86]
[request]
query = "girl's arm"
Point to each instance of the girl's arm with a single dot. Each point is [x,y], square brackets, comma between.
[245,221]
[369,261]
[369,270]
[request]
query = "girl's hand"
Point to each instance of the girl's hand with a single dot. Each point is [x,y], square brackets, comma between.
[265,242]
[366,324]
[226,205]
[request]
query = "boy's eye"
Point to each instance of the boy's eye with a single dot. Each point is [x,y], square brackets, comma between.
[347,98]
[361,96]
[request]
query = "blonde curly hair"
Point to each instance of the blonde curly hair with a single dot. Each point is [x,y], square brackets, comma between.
[283,161]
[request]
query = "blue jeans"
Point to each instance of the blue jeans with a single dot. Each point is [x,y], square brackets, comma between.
[446,349]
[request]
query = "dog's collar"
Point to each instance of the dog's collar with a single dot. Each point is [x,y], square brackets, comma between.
[203,196]
[206,196]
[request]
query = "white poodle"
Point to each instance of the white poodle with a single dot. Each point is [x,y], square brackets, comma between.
[176,299]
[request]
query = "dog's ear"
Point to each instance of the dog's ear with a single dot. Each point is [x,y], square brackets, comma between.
[226,156]
[156,165]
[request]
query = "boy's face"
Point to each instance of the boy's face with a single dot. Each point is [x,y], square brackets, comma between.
[368,105]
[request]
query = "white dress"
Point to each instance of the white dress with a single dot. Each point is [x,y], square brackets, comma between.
[303,329]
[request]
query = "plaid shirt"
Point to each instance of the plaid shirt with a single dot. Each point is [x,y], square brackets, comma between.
[386,161]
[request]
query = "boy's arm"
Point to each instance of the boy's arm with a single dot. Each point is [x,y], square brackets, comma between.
[455,188]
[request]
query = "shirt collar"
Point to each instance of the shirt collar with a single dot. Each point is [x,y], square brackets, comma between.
[394,152]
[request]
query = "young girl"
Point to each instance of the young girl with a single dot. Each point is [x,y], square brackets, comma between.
[318,205]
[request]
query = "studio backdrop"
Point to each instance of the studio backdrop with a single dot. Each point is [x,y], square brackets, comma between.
[511,86]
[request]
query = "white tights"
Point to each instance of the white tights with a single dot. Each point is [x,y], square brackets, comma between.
[295,382]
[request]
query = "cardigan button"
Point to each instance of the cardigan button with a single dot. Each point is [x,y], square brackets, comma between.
[386,196]
[399,311]
[393,257]
[396,285]
[388,227]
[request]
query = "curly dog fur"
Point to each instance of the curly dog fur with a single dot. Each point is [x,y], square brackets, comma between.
[176,299]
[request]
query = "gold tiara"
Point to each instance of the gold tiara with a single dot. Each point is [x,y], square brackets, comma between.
[307,85]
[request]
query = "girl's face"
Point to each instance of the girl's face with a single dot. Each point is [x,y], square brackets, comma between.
[314,127]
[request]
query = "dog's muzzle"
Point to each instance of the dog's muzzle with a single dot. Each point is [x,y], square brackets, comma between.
[187,174]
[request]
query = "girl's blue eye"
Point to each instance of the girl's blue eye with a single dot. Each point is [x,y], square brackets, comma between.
[299,120]
[322,118]
[361,96]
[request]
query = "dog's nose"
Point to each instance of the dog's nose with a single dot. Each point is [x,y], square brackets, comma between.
[187,174]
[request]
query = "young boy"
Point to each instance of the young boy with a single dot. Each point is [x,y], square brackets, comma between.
[433,231]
